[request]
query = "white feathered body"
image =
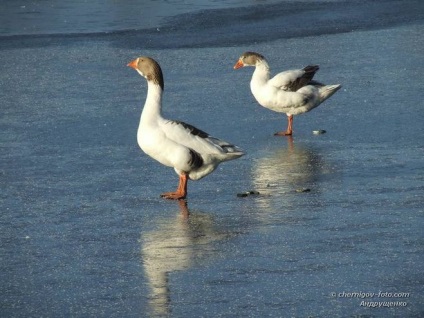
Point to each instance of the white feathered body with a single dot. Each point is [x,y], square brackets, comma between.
[275,93]
[179,145]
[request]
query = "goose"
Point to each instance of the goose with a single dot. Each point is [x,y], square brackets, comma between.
[292,92]
[192,152]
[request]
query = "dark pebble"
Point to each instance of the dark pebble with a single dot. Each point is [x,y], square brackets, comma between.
[245,194]
[303,190]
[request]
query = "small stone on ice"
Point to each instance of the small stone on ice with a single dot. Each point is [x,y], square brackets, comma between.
[269,185]
[319,132]
[245,194]
[303,190]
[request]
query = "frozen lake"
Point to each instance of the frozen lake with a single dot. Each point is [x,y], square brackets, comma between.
[83,230]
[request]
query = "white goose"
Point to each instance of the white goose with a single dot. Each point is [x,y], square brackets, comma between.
[190,151]
[292,92]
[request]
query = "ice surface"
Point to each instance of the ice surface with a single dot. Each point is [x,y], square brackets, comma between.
[85,234]
[98,16]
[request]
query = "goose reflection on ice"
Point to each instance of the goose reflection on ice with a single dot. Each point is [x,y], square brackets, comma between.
[286,170]
[176,244]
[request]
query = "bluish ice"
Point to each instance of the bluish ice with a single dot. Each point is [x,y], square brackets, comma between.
[336,226]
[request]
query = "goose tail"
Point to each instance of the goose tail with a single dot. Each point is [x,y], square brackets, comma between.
[328,90]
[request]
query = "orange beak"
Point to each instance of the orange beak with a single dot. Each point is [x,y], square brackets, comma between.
[133,64]
[238,65]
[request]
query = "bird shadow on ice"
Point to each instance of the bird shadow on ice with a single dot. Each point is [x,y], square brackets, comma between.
[177,243]
[284,173]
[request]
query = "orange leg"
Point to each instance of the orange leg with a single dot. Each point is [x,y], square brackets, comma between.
[181,191]
[289,130]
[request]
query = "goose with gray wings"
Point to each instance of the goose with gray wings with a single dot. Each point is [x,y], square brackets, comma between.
[291,92]
[192,152]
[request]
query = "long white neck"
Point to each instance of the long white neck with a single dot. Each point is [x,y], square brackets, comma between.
[153,104]
[261,73]
[260,78]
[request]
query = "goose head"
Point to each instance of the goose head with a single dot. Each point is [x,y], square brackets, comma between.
[149,69]
[249,59]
